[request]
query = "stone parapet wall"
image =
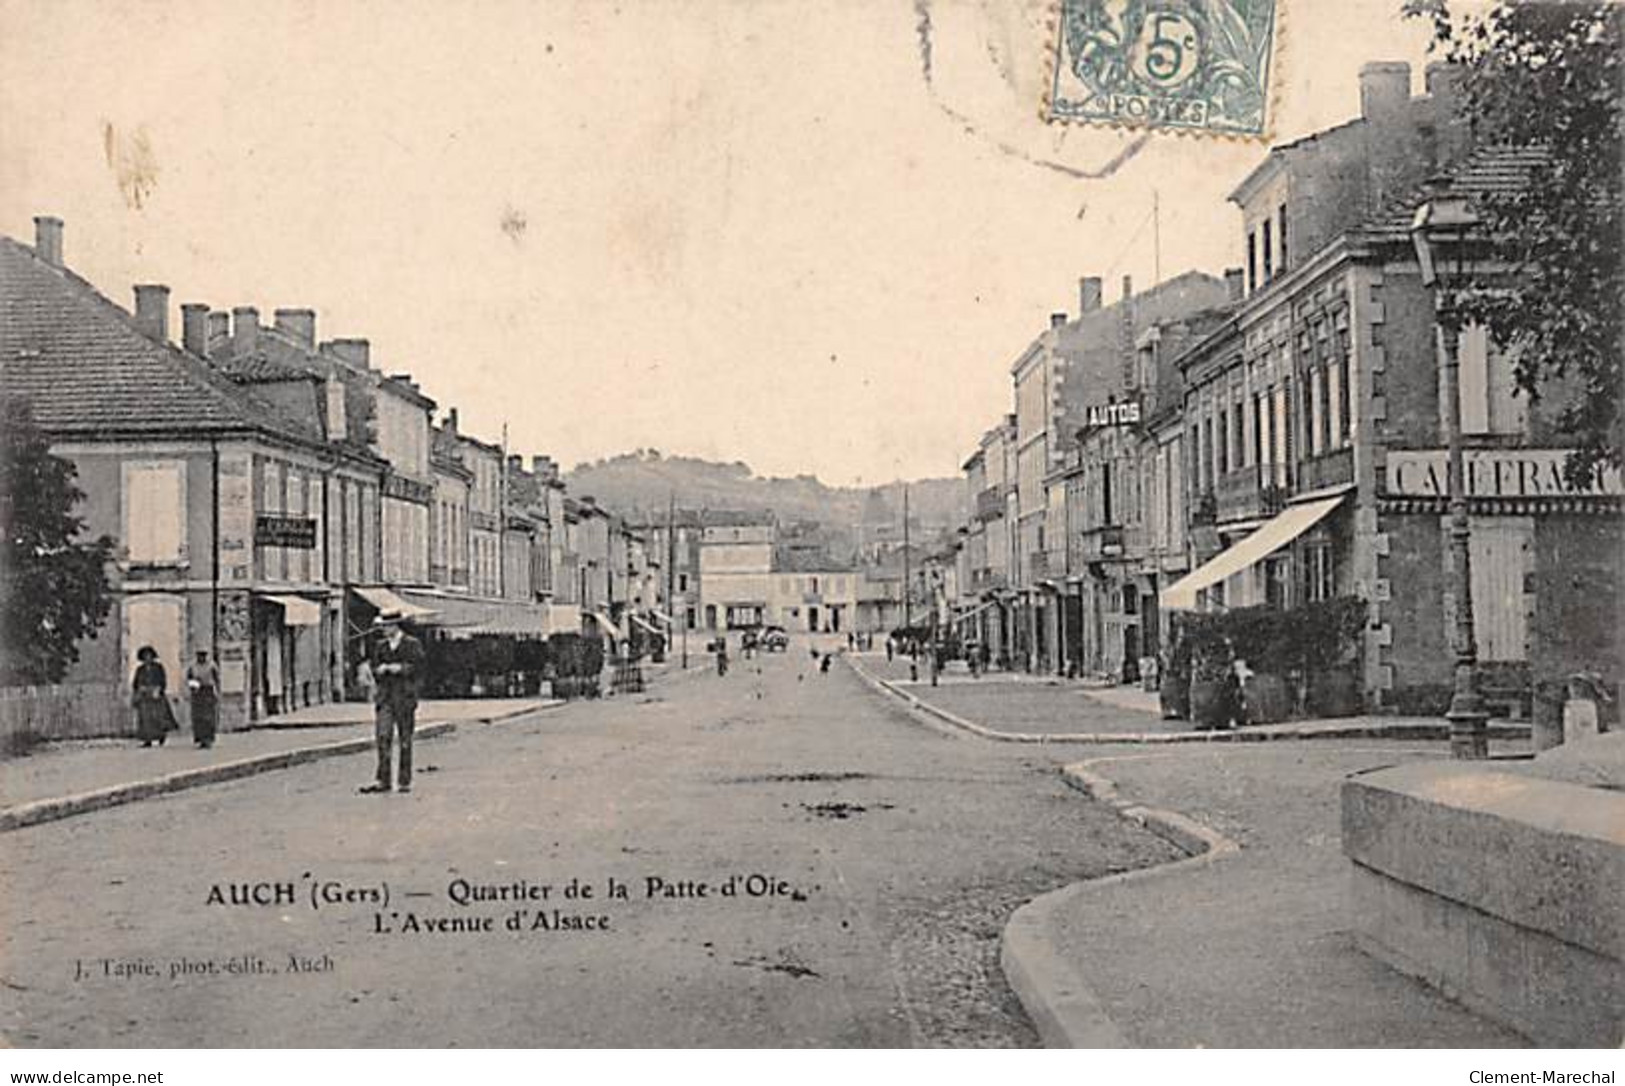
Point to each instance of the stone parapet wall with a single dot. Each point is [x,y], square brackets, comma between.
[1502,891]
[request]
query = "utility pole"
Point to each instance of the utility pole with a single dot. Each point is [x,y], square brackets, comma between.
[502,517]
[908,585]
[671,577]
[1156,238]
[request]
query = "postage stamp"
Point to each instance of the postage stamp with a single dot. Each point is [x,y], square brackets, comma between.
[1195,65]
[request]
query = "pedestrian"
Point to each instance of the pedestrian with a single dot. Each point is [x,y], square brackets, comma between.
[203,680]
[823,665]
[889,650]
[149,696]
[722,657]
[397,667]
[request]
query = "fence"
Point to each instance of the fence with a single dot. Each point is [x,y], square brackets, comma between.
[30,714]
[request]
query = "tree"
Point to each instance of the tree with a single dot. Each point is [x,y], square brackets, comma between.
[53,589]
[1548,76]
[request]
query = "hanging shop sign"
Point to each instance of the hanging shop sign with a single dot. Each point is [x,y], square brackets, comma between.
[1126,413]
[282,530]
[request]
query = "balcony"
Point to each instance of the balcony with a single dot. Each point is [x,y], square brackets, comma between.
[1038,567]
[1101,543]
[1335,468]
[1244,495]
[1204,509]
[990,503]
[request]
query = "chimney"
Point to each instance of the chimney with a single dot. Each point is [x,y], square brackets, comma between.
[357,353]
[338,421]
[516,464]
[245,331]
[1385,87]
[152,311]
[298,325]
[1235,283]
[195,328]
[1057,319]
[451,420]
[1089,294]
[48,239]
[219,331]
[1453,132]
[1128,288]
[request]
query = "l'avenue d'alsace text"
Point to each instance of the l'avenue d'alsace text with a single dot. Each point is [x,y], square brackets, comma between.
[524,905]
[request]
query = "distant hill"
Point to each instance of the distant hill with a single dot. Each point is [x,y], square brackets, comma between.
[642,483]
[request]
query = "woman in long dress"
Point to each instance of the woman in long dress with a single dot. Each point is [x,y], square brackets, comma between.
[203,680]
[153,717]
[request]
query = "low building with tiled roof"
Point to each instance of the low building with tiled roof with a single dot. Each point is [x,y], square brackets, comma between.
[241,522]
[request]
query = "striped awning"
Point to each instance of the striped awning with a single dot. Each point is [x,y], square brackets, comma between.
[297,611]
[1270,537]
[386,601]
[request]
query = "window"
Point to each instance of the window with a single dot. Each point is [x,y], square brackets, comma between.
[1280,231]
[1488,386]
[1260,428]
[682,582]
[1223,454]
[1105,495]
[1344,395]
[1278,447]
[155,511]
[1315,391]
[1238,436]
[1252,263]
[1207,453]
[159,620]
[1269,254]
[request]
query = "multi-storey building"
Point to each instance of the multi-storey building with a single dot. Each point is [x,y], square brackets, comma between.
[1057,379]
[736,568]
[1314,426]
[242,510]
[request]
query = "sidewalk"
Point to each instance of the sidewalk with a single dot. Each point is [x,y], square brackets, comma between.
[1247,947]
[58,780]
[1010,707]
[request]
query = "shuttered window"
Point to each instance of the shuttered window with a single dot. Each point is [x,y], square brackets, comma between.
[155,511]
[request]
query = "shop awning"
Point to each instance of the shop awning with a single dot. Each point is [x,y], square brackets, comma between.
[385,600]
[510,621]
[297,611]
[608,625]
[651,627]
[662,616]
[1270,537]
[974,611]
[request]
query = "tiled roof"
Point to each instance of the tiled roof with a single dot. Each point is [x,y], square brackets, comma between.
[258,367]
[806,560]
[1499,170]
[84,366]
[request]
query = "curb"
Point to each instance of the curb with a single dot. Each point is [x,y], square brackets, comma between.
[50,810]
[1053,992]
[1440,731]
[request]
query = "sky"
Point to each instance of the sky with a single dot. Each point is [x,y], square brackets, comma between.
[774,231]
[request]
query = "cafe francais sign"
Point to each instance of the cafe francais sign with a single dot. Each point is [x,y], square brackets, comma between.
[1492,473]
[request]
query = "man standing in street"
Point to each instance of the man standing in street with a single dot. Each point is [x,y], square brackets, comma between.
[397,665]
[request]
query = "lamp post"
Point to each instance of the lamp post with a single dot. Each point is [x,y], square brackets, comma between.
[1442,232]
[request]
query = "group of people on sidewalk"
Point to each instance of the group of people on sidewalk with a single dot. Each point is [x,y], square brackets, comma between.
[393,673]
[149,696]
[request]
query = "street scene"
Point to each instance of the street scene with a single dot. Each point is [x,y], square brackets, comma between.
[1100,528]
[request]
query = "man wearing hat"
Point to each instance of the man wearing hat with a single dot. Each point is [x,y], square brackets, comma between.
[397,663]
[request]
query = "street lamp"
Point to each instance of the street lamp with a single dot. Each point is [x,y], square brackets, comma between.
[1442,232]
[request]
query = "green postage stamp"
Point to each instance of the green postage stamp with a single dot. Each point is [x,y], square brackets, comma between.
[1194,65]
